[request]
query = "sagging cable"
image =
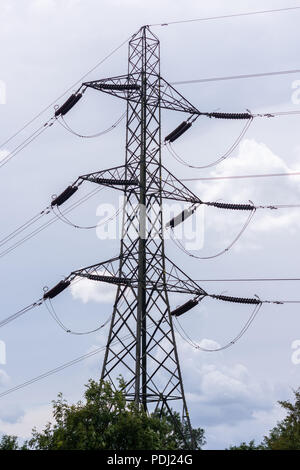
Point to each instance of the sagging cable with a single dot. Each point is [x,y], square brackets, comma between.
[67,221]
[66,126]
[182,248]
[192,343]
[55,317]
[223,157]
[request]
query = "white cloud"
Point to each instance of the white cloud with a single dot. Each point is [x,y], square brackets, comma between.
[92,291]
[10,412]
[222,393]
[208,344]
[253,158]
[223,435]
[32,417]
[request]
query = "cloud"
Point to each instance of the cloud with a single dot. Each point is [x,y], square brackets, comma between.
[223,435]
[11,413]
[32,417]
[92,291]
[209,344]
[253,158]
[221,392]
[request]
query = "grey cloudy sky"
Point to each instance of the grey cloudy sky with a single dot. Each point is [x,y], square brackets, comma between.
[46,45]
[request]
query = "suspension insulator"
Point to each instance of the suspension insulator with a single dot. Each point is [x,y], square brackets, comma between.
[238,300]
[109,86]
[61,286]
[185,307]
[183,127]
[109,279]
[68,104]
[64,196]
[181,217]
[229,115]
[115,182]
[237,207]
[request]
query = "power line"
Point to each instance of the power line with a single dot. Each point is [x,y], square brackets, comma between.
[236,77]
[53,371]
[20,312]
[45,225]
[221,158]
[63,366]
[55,317]
[222,17]
[63,94]
[26,142]
[66,126]
[100,349]
[247,325]
[271,279]
[263,175]
[220,253]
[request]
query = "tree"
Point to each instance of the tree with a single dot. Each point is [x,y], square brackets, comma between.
[105,421]
[285,435]
[250,446]
[9,443]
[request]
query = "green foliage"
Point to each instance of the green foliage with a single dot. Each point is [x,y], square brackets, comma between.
[286,434]
[105,421]
[245,446]
[9,443]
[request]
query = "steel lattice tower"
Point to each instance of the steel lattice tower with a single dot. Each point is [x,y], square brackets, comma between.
[141,342]
[142,254]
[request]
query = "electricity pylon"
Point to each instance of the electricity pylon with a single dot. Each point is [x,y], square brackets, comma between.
[141,343]
[148,358]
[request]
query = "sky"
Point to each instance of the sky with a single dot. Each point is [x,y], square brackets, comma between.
[47,45]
